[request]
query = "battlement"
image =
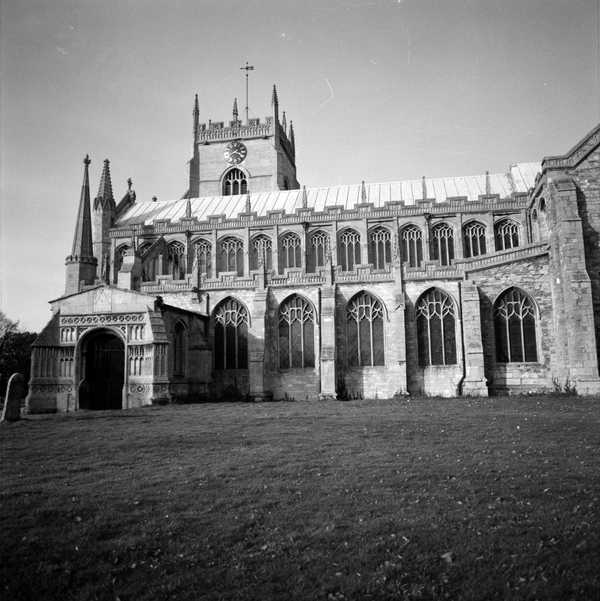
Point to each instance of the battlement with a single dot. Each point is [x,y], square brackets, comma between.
[218,131]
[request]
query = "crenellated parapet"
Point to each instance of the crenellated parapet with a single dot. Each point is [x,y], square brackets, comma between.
[218,131]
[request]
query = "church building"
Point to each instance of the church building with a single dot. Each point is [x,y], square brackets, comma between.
[254,287]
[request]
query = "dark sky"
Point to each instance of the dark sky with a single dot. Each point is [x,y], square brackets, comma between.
[380,90]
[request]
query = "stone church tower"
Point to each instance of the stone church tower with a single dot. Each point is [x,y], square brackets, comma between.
[242,156]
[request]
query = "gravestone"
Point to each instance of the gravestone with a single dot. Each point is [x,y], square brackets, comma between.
[15,393]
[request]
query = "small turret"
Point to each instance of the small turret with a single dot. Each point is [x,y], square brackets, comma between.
[193,190]
[235,112]
[103,218]
[284,123]
[292,139]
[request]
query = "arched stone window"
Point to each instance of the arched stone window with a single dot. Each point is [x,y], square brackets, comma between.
[119,255]
[296,333]
[436,329]
[234,182]
[179,349]
[411,242]
[348,249]
[231,255]
[442,243]
[318,244]
[202,253]
[231,335]
[261,246]
[506,233]
[290,251]
[380,247]
[149,265]
[474,239]
[176,260]
[514,324]
[364,331]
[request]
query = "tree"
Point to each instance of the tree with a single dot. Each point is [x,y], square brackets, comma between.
[15,351]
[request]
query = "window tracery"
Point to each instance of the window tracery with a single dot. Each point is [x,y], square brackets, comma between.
[411,239]
[235,182]
[318,246]
[231,255]
[506,234]
[442,243]
[202,252]
[364,331]
[514,324]
[290,251]
[436,330]
[176,260]
[296,333]
[261,246]
[231,335]
[348,249]
[474,239]
[380,247]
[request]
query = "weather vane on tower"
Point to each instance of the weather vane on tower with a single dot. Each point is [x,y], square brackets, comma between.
[247,68]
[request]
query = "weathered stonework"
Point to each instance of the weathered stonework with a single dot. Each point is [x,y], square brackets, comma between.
[371,291]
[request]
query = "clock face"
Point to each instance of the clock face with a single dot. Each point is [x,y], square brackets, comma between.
[235,152]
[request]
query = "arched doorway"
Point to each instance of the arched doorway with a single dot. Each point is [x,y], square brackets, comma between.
[102,371]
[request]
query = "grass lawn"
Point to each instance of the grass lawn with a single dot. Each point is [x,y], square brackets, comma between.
[423,499]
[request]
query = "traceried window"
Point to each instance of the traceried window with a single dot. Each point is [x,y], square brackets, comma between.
[506,233]
[290,251]
[179,348]
[235,182]
[318,245]
[231,255]
[149,264]
[348,249]
[411,241]
[474,239]
[436,329]
[231,335]
[176,260]
[261,247]
[380,247]
[442,243]
[514,324]
[296,333]
[202,254]
[364,331]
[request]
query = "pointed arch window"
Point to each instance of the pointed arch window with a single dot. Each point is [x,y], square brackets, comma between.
[436,329]
[506,233]
[348,249]
[474,239]
[176,260]
[364,331]
[203,256]
[261,247]
[179,349]
[234,182]
[318,244]
[442,243]
[231,255]
[149,264]
[290,251]
[411,242]
[380,247]
[514,325]
[119,256]
[296,333]
[231,335]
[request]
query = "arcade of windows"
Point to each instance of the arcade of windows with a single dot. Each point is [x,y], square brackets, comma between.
[435,319]
[314,254]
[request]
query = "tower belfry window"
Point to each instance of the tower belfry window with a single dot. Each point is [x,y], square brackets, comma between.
[235,182]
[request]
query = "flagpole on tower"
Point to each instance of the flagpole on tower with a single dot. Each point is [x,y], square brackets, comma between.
[247,68]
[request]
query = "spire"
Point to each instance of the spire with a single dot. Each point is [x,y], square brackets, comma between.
[235,110]
[363,192]
[304,198]
[275,105]
[188,209]
[488,184]
[105,197]
[424,188]
[292,139]
[82,240]
[284,123]
[274,99]
[196,115]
